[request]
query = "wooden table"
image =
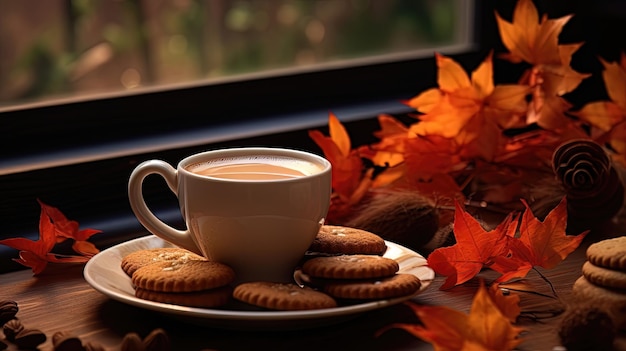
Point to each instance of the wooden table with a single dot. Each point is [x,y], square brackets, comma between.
[61,300]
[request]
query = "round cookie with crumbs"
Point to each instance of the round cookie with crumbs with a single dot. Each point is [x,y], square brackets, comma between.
[137,259]
[210,298]
[350,267]
[608,253]
[397,285]
[333,239]
[183,276]
[282,296]
[609,278]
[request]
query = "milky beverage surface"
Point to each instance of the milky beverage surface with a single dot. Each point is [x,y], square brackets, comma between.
[255,168]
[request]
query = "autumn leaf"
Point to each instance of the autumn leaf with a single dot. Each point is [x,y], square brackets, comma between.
[474,249]
[539,244]
[470,136]
[470,110]
[34,254]
[608,118]
[485,328]
[54,228]
[508,304]
[67,229]
[389,151]
[350,180]
[528,38]
[536,41]
[507,249]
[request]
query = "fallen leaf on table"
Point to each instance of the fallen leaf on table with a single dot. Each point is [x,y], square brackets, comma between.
[54,228]
[485,328]
[539,244]
[474,249]
[513,248]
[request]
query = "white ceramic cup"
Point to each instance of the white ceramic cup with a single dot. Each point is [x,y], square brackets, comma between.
[259,227]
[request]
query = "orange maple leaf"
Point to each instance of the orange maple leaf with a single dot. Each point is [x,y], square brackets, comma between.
[53,228]
[539,244]
[608,118]
[485,328]
[535,41]
[474,249]
[473,111]
[389,151]
[350,179]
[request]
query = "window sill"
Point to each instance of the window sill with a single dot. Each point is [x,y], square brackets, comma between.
[89,184]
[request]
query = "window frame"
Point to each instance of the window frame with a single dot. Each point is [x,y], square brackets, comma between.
[76,154]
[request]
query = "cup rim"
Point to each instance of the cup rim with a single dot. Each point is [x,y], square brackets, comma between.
[234,151]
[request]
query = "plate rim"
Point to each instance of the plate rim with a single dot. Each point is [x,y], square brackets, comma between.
[230,315]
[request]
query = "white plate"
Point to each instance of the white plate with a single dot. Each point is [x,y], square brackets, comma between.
[104,274]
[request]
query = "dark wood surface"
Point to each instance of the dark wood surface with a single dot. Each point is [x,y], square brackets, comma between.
[60,300]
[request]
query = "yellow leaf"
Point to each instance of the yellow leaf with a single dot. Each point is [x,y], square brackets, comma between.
[603,115]
[425,101]
[339,135]
[444,120]
[545,45]
[518,35]
[450,75]
[482,77]
[615,81]
[529,39]
[507,105]
[570,79]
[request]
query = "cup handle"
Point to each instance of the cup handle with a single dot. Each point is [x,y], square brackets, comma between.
[146,217]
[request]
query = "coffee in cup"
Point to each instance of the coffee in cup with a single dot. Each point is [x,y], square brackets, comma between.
[254,209]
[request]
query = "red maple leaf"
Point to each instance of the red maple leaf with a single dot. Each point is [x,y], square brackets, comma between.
[475,248]
[539,244]
[67,229]
[53,228]
[513,248]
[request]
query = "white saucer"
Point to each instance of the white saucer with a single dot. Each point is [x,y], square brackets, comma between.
[104,274]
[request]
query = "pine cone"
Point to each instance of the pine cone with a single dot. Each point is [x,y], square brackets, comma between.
[594,190]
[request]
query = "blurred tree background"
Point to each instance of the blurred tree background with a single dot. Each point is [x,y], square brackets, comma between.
[59,48]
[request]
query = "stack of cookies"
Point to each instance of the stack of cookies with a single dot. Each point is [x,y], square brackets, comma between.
[359,277]
[347,263]
[178,276]
[603,280]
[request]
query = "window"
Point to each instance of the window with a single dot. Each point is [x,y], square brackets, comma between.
[74,148]
[70,48]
